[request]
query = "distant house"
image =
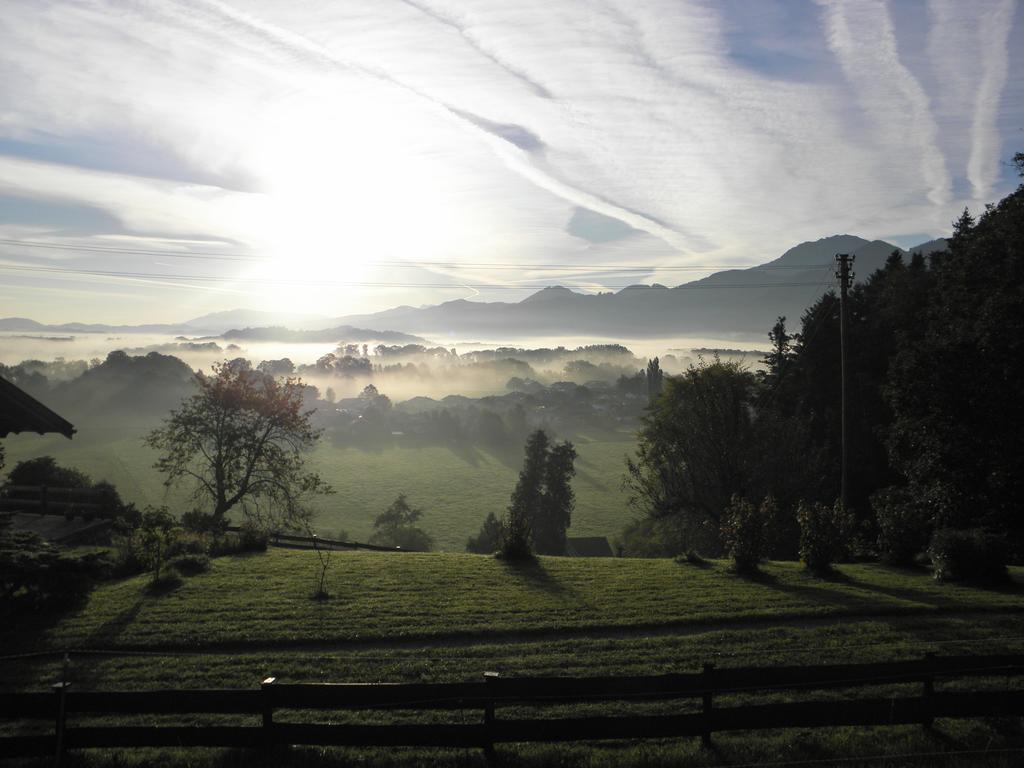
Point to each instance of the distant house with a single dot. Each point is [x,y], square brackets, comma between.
[20,412]
[588,546]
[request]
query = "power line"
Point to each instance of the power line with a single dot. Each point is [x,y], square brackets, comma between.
[358,283]
[225,256]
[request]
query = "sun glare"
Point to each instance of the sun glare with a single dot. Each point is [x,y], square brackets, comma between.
[345,191]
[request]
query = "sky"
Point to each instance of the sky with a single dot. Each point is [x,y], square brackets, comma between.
[160,160]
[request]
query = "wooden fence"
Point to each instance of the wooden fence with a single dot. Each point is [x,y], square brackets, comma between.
[49,500]
[295,541]
[493,692]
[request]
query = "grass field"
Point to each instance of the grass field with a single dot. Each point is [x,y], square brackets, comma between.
[456,490]
[264,599]
[443,617]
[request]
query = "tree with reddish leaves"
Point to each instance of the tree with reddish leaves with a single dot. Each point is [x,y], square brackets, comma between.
[241,440]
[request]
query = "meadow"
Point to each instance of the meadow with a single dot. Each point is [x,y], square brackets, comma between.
[445,617]
[456,489]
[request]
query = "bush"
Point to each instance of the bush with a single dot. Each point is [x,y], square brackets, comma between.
[903,526]
[187,543]
[967,555]
[168,580]
[190,565]
[745,532]
[661,537]
[487,541]
[157,532]
[204,522]
[36,576]
[514,543]
[825,534]
[252,539]
[691,557]
[395,527]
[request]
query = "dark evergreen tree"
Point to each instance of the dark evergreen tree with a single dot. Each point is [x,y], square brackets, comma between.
[557,501]
[655,380]
[542,501]
[954,386]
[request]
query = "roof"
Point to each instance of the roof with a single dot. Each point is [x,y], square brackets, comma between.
[588,546]
[20,412]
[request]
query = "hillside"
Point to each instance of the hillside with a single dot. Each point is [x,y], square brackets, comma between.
[735,301]
[444,618]
[387,597]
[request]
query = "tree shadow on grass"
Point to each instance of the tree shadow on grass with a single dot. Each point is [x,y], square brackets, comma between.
[591,480]
[533,574]
[808,589]
[464,451]
[113,627]
[1009,586]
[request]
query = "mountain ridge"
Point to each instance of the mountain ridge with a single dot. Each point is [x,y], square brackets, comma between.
[744,300]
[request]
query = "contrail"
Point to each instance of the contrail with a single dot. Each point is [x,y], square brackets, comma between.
[295,45]
[869,56]
[992,42]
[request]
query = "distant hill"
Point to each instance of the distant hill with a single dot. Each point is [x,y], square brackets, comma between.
[341,333]
[735,301]
[741,301]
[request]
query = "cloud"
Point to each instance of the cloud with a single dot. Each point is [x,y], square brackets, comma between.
[862,35]
[516,135]
[337,134]
[597,228]
[983,164]
[465,32]
[968,49]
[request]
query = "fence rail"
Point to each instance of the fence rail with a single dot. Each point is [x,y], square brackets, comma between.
[494,691]
[306,542]
[41,499]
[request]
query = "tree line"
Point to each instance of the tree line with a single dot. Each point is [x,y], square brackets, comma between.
[934,440]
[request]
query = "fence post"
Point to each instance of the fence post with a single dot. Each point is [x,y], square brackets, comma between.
[490,678]
[268,709]
[928,691]
[708,672]
[58,728]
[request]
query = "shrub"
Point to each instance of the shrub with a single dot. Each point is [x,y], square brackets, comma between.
[745,532]
[487,541]
[395,528]
[965,555]
[903,526]
[156,534]
[198,521]
[168,580]
[190,565]
[36,576]
[515,538]
[655,537]
[187,543]
[252,539]
[691,557]
[825,534]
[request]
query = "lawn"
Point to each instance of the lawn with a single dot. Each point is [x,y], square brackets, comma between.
[443,617]
[455,489]
[264,599]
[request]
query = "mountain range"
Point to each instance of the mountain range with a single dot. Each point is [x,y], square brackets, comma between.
[735,301]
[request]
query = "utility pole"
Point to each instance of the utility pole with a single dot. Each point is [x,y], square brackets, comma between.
[844,260]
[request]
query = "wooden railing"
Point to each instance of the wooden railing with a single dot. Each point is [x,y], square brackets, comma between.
[306,542]
[49,500]
[493,692]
